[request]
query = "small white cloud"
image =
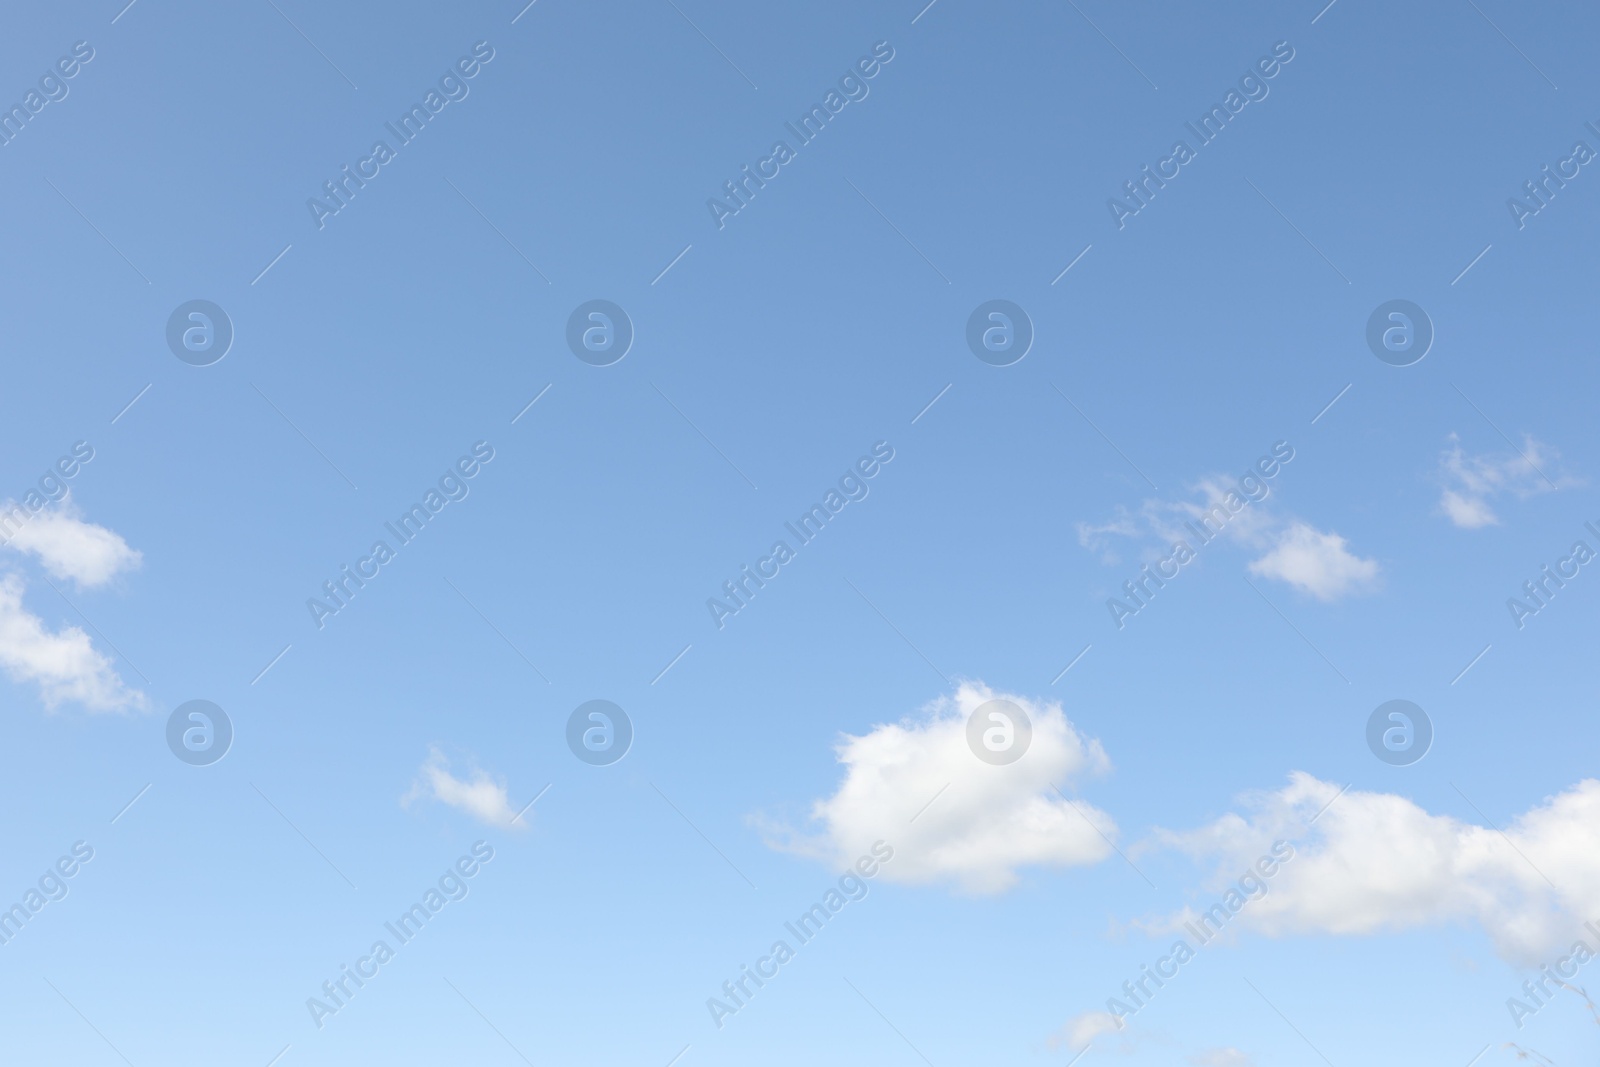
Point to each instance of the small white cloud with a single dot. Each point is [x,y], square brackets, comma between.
[482,796]
[1083,1028]
[1317,563]
[1470,482]
[951,817]
[1377,862]
[69,547]
[63,663]
[1221,1057]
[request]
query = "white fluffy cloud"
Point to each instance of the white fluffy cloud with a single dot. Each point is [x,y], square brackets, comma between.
[1376,862]
[984,822]
[1469,482]
[69,547]
[480,795]
[62,663]
[1317,563]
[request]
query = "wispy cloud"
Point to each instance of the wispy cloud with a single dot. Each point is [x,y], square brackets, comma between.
[1470,483]
[481,795]
[70,548]
[63,663]
[1293,551]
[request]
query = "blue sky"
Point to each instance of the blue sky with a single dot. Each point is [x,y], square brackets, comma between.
[173,523]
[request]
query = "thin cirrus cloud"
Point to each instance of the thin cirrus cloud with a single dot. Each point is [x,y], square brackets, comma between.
[480,795]
[63,663]
[950,817]
[1378,862]
[1317,562]
[1470,484]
